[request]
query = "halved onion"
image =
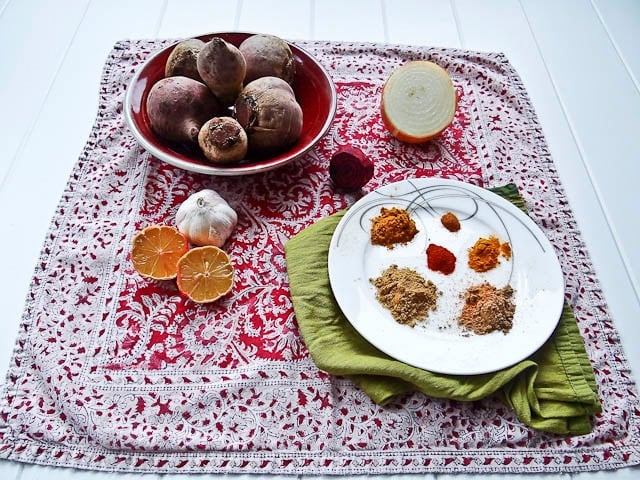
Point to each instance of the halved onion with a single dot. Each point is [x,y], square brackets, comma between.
[418,101]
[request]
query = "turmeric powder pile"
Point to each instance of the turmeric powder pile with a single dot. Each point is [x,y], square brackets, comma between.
[483,256]
[392,226]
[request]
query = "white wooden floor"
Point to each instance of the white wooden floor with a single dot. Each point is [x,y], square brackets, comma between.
[579,60]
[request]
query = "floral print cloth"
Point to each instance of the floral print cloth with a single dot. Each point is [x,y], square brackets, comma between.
[115,372]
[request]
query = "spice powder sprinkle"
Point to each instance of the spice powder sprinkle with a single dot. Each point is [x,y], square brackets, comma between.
[406,294]
[483,255]
[392,226]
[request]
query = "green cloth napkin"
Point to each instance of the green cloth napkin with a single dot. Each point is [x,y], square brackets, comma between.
[554,390]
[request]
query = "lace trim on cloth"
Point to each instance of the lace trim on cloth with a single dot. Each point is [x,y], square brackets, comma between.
[118,373]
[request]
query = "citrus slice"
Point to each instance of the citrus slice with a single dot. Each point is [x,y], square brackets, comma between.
[418,101]
[205,274]
[155,251]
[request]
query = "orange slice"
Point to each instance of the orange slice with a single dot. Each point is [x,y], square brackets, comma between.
[205,274]
[418,101]
[155,251]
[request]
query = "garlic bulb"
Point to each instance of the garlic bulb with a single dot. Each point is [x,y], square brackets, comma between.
[205,218]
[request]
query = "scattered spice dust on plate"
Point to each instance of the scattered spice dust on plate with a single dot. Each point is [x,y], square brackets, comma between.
[393,226]
[484,254]
[487,309]
[410,297]
[406,294]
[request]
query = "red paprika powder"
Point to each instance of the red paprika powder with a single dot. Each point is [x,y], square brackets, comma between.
[440,259]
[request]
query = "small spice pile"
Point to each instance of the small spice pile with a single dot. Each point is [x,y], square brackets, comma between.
[406,294]
[450,222]
[392,226]
[483,256]
[487,309]
[439,259]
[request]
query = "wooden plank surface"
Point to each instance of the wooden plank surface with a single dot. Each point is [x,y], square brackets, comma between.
[288,19]
[188,18]
[26,79]
[621,19]
[597,95]
[421,22]
[54,136]
[355,20]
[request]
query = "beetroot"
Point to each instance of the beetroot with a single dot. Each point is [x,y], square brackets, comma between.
[223,140]
[183,59]
[264,83]
[268,56]
[268,111]
[222,67]
[350,169]
[178,107]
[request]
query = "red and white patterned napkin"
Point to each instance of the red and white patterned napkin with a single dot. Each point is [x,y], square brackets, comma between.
[115,372]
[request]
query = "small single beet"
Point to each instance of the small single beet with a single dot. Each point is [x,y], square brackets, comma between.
[177,108]
[350,169]
[268,56]
[183,59]
[223,140]
[268,111]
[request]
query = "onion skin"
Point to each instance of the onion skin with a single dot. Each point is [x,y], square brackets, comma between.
[398,88]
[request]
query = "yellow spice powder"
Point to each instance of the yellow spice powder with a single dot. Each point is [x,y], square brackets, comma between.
[392,226]
[483,256]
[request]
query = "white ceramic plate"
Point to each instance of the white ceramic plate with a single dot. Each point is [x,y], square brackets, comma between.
[439,344]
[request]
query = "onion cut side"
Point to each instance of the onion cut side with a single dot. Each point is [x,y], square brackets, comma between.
[418,101]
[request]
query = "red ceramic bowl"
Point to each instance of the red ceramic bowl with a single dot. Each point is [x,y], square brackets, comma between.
[314,91]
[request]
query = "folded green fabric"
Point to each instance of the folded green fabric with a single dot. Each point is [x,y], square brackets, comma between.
[554,390]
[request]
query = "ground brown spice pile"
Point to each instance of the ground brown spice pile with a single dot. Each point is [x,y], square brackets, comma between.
[450,222]
[392,226]
[406,294]
[487,309]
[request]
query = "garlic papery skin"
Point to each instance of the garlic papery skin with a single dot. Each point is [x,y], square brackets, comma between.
[205,218]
